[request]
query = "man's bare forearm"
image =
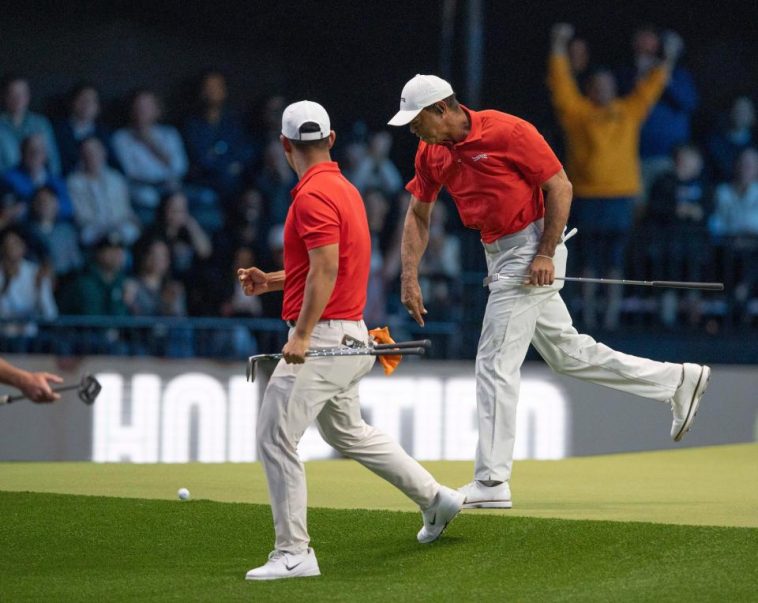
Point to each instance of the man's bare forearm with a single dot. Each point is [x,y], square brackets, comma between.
[415,240]
[275,280]
[319,286]
[557,209]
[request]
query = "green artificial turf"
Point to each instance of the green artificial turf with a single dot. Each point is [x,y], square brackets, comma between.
[85,548]
[715,485]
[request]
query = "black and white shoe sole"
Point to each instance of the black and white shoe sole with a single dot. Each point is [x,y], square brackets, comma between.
[489,504]
[702,385]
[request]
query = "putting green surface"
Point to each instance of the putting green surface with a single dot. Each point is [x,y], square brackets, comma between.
[695,486]
[120,543]
[73,548]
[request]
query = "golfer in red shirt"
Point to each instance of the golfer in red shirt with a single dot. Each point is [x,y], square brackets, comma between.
[327,252]
[498,169]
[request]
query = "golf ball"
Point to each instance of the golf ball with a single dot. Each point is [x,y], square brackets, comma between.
[183,494]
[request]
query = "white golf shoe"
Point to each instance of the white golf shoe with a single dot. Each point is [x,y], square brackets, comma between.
[285,565]
[480,496]
[445,507]
[686,400]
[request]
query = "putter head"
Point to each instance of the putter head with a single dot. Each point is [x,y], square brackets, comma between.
[250,368]
[89,389]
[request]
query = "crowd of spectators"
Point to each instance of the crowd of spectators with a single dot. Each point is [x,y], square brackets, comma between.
[146,218]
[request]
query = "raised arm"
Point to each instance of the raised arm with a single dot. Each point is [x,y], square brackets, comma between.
[649,89]
[415,240]
[564,91]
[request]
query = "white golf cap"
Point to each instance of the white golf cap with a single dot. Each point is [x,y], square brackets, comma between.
[420,91]
[297,114]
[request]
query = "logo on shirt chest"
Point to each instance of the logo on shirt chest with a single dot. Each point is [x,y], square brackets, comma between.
[479,157]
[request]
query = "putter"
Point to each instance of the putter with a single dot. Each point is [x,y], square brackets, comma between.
[87,389]
[404,348]
[516,279]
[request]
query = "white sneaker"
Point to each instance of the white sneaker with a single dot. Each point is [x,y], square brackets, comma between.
[445,507]
[479,496]
[285,565]
[686,400]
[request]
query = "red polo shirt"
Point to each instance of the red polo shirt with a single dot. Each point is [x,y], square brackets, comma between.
[494,174]
[327,209]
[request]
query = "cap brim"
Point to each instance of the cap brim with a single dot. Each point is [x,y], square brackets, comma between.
[402,118]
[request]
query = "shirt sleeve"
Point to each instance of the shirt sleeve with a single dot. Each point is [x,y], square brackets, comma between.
[646,93]
[531,154]
[567,99]
[317,221]
[423,185]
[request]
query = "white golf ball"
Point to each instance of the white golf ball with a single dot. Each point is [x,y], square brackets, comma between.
[183,494]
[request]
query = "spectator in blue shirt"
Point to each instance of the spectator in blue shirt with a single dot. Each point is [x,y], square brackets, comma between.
[668,123]
[152,154]
[735,134]
[82,123]
[33,173]
[54,240]
[18,123]
[218,149]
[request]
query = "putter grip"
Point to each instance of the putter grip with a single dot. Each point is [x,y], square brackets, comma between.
[685,285]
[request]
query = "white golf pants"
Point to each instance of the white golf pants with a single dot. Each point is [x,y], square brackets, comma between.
[325,390]
[517,316]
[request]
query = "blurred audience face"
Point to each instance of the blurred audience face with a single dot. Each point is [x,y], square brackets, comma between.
[244,257]
[85,106]
[381,144]
[110,259]
[602,88]
[250,205]
[743,113]
[746,170]
[45,205]
[92,153]
[578,55]
[688,163]
[275,160]
[34,153]
[145,110]
[213,90]
[17,97]
[276,245]
[377,208]
[12,248]
[646,41]
[272,112]
[176,210]
[157,260]
[355,153]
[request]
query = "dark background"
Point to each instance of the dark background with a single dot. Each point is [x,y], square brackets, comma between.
[353,57]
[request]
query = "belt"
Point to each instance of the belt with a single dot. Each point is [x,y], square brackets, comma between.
[488,280]
[292,323]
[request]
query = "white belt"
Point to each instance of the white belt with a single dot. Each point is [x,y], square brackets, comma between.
[492,278]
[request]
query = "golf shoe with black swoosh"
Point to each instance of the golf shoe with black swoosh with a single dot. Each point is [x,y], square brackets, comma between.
[286,565]
[686,400]
[445,507]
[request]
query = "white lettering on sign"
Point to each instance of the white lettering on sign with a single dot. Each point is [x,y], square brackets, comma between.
[196,417]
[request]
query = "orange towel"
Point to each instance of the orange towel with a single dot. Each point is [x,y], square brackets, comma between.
[389,362]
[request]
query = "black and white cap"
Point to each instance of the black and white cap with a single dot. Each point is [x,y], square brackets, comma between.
[298,114]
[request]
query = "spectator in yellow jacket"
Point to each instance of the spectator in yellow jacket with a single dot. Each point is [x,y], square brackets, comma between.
[602,142]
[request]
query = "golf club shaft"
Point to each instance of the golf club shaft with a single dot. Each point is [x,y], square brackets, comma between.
[423,343]
[613,281]
[17,397]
